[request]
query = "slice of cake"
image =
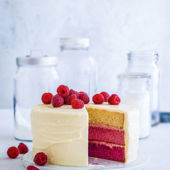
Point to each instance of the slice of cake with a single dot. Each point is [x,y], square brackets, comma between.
[113,132]
[61,133]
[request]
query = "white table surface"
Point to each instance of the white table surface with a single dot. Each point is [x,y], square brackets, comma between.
[156,147]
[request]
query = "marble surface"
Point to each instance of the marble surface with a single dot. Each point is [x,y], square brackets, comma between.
[155,147]
[114,27]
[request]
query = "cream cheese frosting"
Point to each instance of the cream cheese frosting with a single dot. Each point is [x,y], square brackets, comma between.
[62,133]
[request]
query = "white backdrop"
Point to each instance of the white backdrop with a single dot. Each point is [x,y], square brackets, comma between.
[114,27]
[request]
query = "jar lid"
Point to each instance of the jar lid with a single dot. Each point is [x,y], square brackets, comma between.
[73,43]
[41,61]
[134,75]
[141,54]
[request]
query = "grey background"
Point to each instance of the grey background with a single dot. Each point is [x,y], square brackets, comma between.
[114,27]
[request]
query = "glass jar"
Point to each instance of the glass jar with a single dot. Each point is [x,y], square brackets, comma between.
[76,67]
[134,90]
[147,62]
[34,76]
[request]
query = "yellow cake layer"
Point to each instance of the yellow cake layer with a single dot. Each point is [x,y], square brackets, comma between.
[105,116]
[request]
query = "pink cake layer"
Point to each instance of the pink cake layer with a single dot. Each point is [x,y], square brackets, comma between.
[107,151]
[106,134]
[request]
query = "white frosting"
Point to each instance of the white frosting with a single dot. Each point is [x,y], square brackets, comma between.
[62,133]
[133,131]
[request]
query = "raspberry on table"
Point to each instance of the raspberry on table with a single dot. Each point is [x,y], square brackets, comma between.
[31,167]
[12,152]
[77,104]
[105,95]
[68,99]
[40,158]
[22,148]
[96,164]
[98,99]
[84,97]
[57,100]
[114,99]
[63,90]
[74,92]
[46,98]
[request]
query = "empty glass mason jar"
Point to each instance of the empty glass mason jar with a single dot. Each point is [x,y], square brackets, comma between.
[76,67]
[34,76]
[147,62]
[134,90]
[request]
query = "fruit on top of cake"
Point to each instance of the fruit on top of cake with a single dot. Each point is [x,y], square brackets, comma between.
[40,158]
[63,90]
[31,167]
[74,92]
[84,97]
[114,99]
[98,99]
[66,96]
[105,95]
[12,152]
[57,100]
[46,98]
[68,99]
[22,148]
[77,104]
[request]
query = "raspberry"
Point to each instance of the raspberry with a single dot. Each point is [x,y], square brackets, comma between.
[69,99]
[84,96]
[46,98]
[74,92]
[63,90]
[31,167]
[12,152]
[40,158]
[105,95]
[22,148]
[77,104]
[114,99]
[57,101]
[98,99]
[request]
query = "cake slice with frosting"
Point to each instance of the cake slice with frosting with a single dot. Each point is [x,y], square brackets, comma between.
[113,132]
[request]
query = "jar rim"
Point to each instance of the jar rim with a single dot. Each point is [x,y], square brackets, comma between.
[143,53]
[134,76]
[74,43]
[41,61]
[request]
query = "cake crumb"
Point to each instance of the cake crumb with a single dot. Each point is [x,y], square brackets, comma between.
[95,159]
